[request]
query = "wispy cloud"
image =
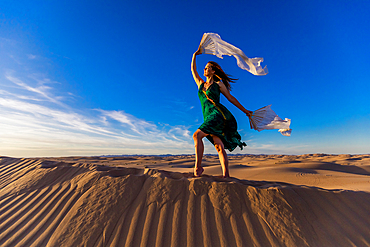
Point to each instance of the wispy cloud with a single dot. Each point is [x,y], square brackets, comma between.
[31,56]
[41,90]
[138,126]
[30,128]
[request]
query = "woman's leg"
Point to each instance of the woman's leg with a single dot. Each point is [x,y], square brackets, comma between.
[222,156]
[199,149]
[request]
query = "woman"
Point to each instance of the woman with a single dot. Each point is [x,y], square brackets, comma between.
[219,126]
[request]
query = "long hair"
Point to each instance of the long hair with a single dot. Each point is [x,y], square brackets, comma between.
[221,75]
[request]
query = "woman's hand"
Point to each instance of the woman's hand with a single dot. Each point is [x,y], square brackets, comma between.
[198,52]
[249,113]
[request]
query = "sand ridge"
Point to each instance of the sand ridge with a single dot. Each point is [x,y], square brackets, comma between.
[155,201]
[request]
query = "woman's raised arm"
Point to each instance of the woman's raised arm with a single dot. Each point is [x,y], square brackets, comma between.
[196,76]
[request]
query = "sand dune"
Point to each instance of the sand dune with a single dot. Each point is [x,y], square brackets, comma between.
[307,200]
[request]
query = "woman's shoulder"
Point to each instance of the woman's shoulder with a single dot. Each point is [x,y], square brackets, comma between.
[220,83]
[223,87]
[201,83]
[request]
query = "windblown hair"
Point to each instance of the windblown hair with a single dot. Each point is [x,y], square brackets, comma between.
[221,75]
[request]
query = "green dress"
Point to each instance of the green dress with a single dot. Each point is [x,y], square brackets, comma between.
[218,120]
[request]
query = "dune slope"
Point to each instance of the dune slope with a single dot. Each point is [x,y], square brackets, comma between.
[52,203]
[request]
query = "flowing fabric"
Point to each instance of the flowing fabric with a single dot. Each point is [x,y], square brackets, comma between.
[218,120]
[212,44]
[266,119]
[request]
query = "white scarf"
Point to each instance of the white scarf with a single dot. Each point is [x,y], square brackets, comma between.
[266,119]
[212,44]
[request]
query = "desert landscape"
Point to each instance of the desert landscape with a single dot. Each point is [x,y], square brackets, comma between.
[270,200]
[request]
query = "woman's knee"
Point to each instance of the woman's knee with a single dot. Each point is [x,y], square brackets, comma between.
[218,144]
[198,135]
[195,136]
[219,147]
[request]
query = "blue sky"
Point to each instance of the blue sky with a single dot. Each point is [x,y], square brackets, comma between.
[113,77]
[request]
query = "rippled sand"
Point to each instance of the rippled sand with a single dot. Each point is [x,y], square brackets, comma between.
[271,200]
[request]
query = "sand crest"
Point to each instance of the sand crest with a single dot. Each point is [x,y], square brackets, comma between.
[134,201]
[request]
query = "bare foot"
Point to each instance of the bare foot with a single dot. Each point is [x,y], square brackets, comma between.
[198,171]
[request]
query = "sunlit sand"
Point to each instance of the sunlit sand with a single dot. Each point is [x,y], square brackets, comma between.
[271,200]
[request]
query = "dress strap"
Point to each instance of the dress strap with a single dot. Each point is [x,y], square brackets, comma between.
[218,108]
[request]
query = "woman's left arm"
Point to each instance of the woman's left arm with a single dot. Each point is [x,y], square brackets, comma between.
[232,99]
